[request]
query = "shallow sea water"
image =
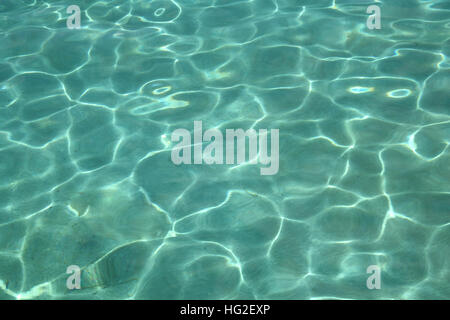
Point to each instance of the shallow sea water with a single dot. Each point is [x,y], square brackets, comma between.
[86,177]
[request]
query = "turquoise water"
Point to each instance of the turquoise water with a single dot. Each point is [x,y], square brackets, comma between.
[86,177]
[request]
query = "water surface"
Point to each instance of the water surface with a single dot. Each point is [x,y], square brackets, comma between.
[86,177]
